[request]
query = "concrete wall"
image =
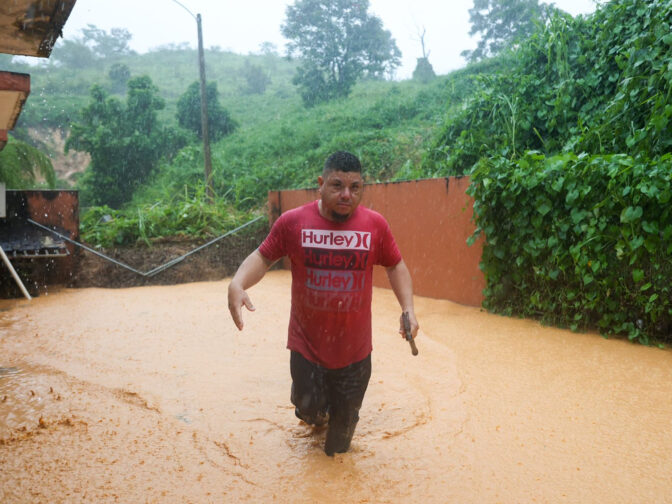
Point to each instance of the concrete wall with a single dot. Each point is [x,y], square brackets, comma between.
[431,221]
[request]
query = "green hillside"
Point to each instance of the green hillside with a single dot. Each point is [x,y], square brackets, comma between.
[59,91]
[278,143]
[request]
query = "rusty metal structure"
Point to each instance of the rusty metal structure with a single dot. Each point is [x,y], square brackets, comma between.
[40,257]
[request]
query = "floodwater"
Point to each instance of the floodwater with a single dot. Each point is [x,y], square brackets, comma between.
[150,394]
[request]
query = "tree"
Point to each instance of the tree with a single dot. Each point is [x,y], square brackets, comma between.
[125,141]
[94,45]
[270,53]
[107,45]
[339,42]
[73,54]
[424,71]
[188,115]
[268,49]
[119,75]
[255,78]
[504,23]
[22,166]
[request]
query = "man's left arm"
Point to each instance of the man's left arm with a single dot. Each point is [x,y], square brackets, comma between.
[402,285]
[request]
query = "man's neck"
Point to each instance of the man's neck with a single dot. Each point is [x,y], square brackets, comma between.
[333,218]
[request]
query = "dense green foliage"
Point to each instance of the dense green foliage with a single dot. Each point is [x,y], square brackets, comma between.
[22,166]
[220,122]
[579,241]
[599,85]
[125,141]
[339,42]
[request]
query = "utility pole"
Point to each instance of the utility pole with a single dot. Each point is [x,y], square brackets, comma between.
[210,193]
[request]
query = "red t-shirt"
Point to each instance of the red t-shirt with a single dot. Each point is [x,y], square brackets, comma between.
[332,279]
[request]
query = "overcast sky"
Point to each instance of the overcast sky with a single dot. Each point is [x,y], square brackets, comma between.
[242,26]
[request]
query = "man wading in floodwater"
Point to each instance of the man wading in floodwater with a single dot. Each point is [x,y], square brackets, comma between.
[333,244]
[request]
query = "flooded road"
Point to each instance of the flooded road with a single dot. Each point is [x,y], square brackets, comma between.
[152,395]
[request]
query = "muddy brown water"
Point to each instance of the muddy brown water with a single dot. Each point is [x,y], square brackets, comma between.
[150,394]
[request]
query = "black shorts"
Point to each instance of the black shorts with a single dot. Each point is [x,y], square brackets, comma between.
[335,396]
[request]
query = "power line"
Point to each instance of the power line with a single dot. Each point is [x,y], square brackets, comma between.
[185,8]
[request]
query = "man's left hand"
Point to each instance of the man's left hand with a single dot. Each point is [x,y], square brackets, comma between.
[413,322]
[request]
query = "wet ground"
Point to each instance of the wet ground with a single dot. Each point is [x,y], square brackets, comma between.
[150,394]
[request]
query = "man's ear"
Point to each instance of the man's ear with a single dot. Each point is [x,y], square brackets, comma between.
[320,182]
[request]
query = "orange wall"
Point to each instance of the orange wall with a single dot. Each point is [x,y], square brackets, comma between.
[431,221]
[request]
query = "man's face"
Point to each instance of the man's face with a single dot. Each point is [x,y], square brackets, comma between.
[340,194]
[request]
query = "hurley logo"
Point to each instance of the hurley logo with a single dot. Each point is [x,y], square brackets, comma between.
[320,238]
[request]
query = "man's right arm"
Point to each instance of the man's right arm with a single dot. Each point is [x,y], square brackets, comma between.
[252,269]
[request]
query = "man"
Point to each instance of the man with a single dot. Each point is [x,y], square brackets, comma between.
[333,244]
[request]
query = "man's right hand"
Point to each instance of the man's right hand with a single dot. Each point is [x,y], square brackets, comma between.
[252,270]
[237,299]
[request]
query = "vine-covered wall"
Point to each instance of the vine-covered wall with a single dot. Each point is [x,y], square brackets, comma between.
[579,241]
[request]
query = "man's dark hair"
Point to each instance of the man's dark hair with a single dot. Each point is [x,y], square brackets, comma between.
[342,161]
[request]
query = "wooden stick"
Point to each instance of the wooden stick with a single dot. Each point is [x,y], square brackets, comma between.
[408,334]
